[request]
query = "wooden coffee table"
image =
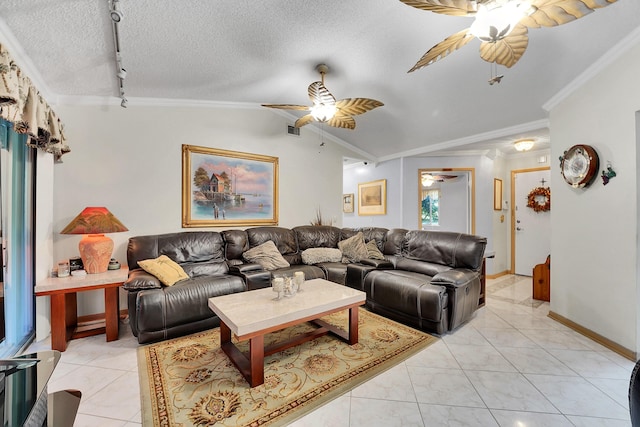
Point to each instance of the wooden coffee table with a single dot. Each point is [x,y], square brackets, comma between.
[253,314]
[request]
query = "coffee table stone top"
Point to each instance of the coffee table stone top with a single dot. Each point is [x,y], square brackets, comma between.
[250,312]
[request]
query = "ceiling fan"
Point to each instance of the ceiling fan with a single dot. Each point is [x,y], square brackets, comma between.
[428,179]
[326,109]
[501,25]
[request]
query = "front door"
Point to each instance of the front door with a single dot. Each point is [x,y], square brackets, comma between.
[531,229]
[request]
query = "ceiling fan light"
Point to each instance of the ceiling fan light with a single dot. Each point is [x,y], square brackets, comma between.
[495,20]
[323,112]
[427,180]
[523,144]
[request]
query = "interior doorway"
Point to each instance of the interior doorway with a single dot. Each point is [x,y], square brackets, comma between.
[530,220]
[446,199]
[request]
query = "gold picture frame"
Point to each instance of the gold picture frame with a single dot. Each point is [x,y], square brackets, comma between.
[228,188]
[497,194]
[347,203]
[372,198]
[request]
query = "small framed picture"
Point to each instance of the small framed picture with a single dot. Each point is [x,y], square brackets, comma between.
[347,203]
[372,198]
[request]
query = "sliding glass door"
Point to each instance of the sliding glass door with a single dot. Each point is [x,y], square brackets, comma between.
[17,213]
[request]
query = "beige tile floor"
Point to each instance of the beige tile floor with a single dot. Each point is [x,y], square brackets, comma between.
[509,366]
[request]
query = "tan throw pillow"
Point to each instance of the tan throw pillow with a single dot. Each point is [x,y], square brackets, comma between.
[166,270]
[353,249]
[316,255]
[372,249]
[267,255]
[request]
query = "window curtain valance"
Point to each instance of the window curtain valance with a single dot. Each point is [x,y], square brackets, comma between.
[22,105]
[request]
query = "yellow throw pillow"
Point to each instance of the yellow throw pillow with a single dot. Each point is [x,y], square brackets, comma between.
[167,271]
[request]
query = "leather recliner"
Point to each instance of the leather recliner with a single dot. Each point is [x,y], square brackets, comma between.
[158,312]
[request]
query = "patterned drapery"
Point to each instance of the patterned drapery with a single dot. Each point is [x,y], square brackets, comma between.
[22,105]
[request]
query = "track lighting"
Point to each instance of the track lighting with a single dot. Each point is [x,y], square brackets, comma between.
[115,12]
[124,102]
[122,73]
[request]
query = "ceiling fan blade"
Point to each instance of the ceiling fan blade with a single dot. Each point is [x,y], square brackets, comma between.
[320,94]
[306,119]
[550,13]
[287,107]
[342,121]
[446,7]
[508,50]
[444,48]
[355,106]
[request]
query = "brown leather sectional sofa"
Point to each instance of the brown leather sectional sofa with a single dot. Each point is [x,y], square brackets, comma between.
[430,280]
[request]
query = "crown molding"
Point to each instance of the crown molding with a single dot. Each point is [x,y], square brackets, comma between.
[480,137]
[25,63]
[594,69]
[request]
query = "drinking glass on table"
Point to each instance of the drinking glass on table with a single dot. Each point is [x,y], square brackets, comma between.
[298,280]
[277,285]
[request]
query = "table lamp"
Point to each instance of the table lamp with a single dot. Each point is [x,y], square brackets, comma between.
[95,248]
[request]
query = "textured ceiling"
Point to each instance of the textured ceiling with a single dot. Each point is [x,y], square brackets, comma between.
[266,52]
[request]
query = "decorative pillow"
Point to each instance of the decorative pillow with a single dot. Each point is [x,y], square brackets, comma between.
[373,251]
[316,255]
[267,255]
[167,271]
[353,249]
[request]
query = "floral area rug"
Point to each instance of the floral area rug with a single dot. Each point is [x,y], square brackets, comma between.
[189,381]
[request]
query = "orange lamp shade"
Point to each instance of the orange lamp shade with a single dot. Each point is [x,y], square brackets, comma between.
[95,248]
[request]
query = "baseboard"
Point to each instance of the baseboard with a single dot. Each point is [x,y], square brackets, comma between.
[495,276]
[606,342]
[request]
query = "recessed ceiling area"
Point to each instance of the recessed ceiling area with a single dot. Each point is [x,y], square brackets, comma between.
[246,54]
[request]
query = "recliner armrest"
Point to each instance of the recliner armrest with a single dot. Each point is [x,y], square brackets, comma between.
[377,263]
[254,276]
[455,278]
[140,279]
[244,268]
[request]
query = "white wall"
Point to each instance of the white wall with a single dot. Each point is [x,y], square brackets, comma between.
[43,237]
[594,230]
[359,173]
[129,160]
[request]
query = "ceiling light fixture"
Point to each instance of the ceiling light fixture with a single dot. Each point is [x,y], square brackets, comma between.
[427,180]
[326,109]
[523,144]
[494,21]
[501,25]
[122,73]
[124,102]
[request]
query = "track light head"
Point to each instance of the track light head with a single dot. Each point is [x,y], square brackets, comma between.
[124,102]
[122,73]
[115,12]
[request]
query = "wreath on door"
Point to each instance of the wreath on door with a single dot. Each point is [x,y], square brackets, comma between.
[539,199]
